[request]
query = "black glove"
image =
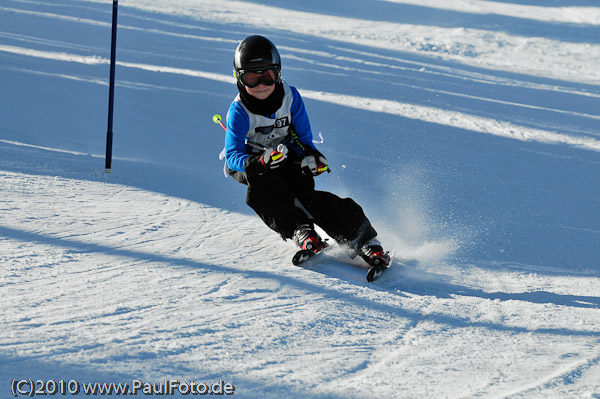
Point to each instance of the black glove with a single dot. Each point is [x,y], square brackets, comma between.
[273,159]
[270,159]
[314,163]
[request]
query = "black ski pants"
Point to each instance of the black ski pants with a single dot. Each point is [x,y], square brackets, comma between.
[285,198]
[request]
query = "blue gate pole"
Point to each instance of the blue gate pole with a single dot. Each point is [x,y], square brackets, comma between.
[111,90]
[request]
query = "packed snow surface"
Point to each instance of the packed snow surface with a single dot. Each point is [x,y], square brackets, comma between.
[468,131]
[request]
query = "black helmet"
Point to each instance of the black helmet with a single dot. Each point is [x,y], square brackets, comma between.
[256,53]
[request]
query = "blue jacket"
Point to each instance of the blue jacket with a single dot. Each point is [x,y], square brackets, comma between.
[249,134]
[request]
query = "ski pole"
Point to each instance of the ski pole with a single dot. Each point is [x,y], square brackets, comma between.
[217,120]
[320,167]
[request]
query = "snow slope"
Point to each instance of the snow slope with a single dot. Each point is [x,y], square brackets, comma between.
[468,130]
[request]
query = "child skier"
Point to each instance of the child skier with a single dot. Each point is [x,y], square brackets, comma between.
[269,148]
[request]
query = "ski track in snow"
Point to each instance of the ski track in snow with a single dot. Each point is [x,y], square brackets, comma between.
[135,275]
[93,263]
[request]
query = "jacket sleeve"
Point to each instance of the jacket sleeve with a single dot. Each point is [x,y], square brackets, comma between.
[300,119]
[238,124]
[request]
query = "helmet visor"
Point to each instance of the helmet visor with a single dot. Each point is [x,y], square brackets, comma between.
[253,78]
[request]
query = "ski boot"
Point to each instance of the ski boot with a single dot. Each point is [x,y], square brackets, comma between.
[372,252]
[306,238]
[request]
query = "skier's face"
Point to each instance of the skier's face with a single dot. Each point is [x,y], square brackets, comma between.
[261,92]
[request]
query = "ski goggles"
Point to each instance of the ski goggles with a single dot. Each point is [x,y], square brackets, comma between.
[252,78]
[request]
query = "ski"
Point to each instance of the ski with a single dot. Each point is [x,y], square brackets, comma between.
[373,274]
[302,256]
[377,270]
[305,254]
